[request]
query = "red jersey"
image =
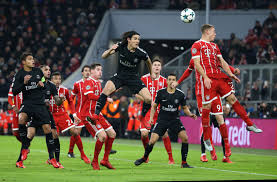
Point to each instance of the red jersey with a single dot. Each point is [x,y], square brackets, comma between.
[15,100]
[208,52]
[154,85]
[62,91]
[91,93]
[78,91]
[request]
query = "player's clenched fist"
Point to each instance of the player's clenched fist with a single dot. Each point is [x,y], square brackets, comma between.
[40,84]
[27,78]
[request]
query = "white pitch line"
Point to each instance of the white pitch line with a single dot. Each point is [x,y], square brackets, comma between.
[206,168]
[196,150]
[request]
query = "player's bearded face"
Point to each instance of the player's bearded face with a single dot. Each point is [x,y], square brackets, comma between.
[156,67]
[134,41]
[46,72]
[29,61]
[57,80]
[86,73]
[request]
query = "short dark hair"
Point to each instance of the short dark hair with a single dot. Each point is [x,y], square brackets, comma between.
[42,66]
[205,27]
[24,55]
[94,65]
[172,74]
[56,74]
[86,66]
[156,59]
[129,35]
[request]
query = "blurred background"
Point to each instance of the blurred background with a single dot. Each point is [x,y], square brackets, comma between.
[67,34]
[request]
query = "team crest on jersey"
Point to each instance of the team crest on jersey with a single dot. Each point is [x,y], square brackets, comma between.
[98,126]
[207,97]
[61,95]
[176,101]
[161,84]
[38,77]
[48,92]
[88,87]
[136,60]
[194,50]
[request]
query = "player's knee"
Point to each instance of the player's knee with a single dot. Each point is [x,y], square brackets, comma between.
[231,99]
[165,135]
[112,133]
[144,134]
[184,139]
[102,136]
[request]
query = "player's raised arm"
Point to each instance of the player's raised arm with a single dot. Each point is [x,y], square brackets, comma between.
[110,51]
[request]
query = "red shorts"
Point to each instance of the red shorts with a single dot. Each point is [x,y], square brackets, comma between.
[63,122]
[216,107]
[144,124]
[15,122]
[101,125]
[81,124]
[221,87]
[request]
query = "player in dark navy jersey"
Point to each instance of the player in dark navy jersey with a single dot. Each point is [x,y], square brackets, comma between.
[30,81]
[169,99]
[129,59]
[49,90]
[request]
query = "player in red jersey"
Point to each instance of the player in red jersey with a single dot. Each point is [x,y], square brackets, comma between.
[62,120]
[77,91]
[15,102]
[216,109]
[102,129]
[154,83]
[207,58]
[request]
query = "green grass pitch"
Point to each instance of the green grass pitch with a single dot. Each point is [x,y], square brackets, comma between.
[248,164]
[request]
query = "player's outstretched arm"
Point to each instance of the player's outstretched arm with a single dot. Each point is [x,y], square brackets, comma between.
[226,68]
[110,51]
[152,112]
[182,78]
[188,113]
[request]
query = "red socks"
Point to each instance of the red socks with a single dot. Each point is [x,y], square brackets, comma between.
[224,132]
[79,144]
[71,144]
[108,147]
[242,113]
[167,145]
[145,141]
[97,149]
[206,124]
